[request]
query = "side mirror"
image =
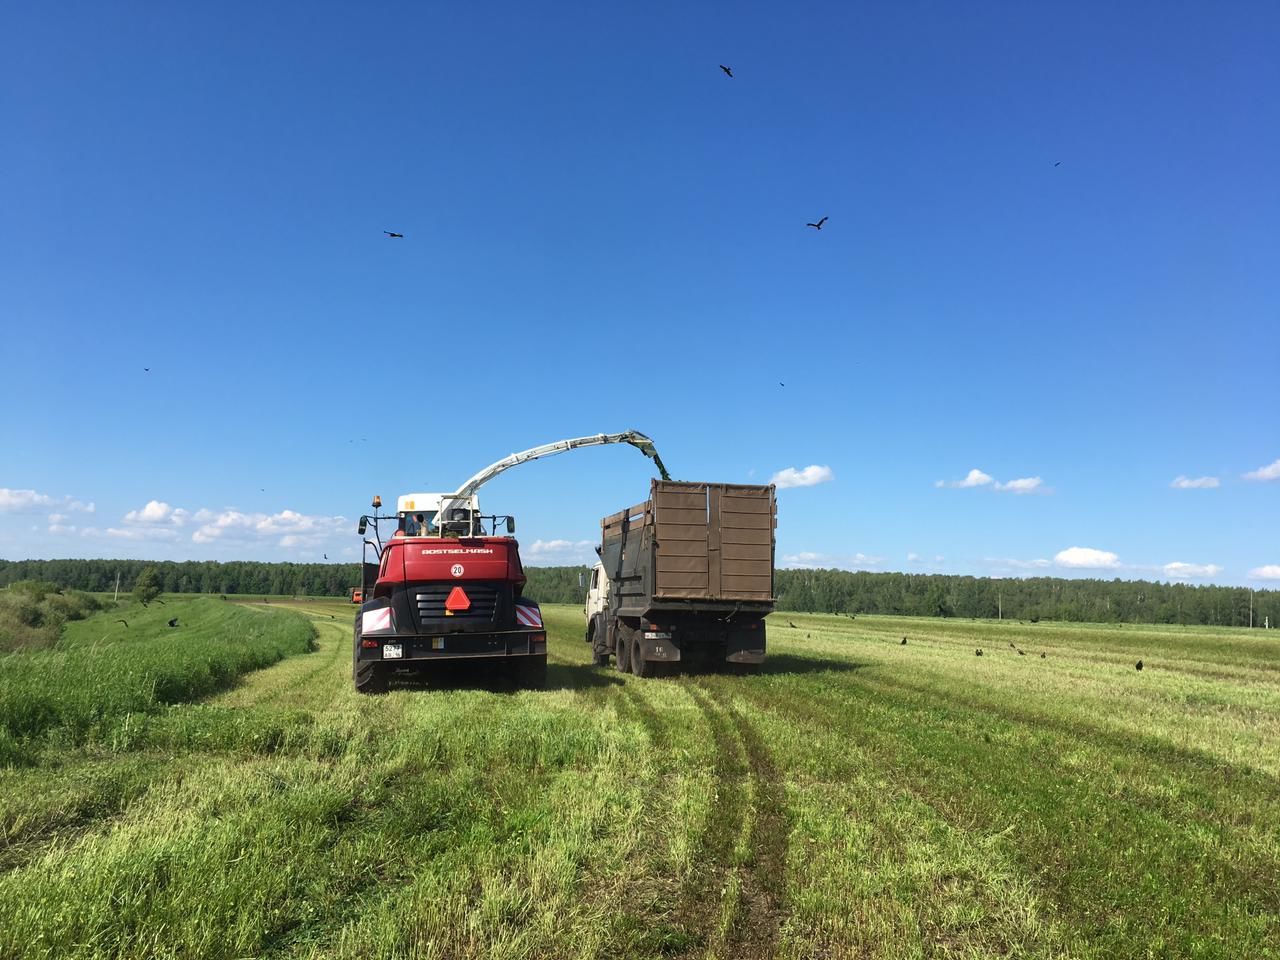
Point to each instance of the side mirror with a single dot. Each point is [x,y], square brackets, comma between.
[364,525]
[511,524]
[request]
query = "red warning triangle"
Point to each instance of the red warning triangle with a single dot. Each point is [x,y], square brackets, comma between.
[457,600]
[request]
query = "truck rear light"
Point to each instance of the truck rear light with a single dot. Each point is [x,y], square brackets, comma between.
[369,644]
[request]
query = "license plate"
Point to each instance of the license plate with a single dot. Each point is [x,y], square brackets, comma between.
[392,651]
[437,643]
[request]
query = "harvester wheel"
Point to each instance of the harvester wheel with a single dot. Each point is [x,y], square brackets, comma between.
[368,676]
[533,673]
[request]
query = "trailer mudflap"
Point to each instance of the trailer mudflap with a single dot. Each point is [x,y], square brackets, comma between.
[659,649]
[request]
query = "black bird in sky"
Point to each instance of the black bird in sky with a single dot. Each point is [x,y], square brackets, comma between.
[125,622]
[818,225]
[173,622]
[326,556]
[781,384]
[1138,665]
[1058,164]
[146,369]
[394,236]
[727,71]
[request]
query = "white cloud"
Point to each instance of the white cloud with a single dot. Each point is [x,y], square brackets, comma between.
[559,552]
[974,478]
[1190,571]
[1012,564]
[807,560]
[1022,485]
[157,511]
[27,501]
[292,528]
[1086,558]
[1197,483]
[1270,472]
[914,558]
[810,476]
[1269,572]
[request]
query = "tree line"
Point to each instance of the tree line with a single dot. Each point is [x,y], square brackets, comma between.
[817,591]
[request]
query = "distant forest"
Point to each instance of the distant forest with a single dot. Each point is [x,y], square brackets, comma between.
[817,591]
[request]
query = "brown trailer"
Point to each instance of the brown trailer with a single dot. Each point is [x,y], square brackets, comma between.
[690,575]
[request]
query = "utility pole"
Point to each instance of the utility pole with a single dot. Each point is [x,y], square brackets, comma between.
[117,596]
[999,605]
[1251,608]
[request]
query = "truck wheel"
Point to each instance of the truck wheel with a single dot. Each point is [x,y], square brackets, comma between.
[369,677]
[622,648]
[639,665]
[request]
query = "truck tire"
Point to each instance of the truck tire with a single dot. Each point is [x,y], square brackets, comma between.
[622,647]
[639,665]
[595,636]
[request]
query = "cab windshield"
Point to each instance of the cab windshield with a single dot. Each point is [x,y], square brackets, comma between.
[421,524]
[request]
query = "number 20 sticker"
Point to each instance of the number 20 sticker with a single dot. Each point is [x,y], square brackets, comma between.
[456,570]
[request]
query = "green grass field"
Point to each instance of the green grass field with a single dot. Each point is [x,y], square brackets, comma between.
[860,798]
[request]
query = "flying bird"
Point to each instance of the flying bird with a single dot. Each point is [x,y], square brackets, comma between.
[727,71]
[1058,164]
[326,556]
[173,622]
[781,384]
[394,236]
[1138,665]
[125,622]
[818,225]
[146,369]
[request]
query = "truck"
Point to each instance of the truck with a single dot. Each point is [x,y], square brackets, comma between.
[447,585]
[685,580]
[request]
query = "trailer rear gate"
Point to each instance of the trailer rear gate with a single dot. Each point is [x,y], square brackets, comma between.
[711,541]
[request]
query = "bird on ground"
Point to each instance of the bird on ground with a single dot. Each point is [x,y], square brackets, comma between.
[173,622]
[808,636]
[1022,653]
[1013,646]
[727,71]
[903,643]
[791,625]
[977,653]
[394,236]
[1042,656]
[1138,665]
[161,602]
[125,622]
[818,225]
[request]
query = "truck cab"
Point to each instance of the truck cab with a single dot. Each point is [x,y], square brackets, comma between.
[595,609]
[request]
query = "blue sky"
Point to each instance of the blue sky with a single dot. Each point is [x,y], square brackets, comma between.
[1052,253]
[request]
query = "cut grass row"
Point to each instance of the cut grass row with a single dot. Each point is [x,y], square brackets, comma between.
[859,798]
[129,662]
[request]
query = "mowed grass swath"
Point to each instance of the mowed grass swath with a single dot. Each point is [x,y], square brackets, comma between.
[860,797]
[130,661]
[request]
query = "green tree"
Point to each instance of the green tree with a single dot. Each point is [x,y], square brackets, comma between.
[147,587]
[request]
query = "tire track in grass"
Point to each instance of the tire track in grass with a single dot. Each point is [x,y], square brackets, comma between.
[744,840]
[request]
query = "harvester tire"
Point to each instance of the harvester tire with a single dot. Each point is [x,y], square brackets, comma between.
[368,676]
[532,673]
